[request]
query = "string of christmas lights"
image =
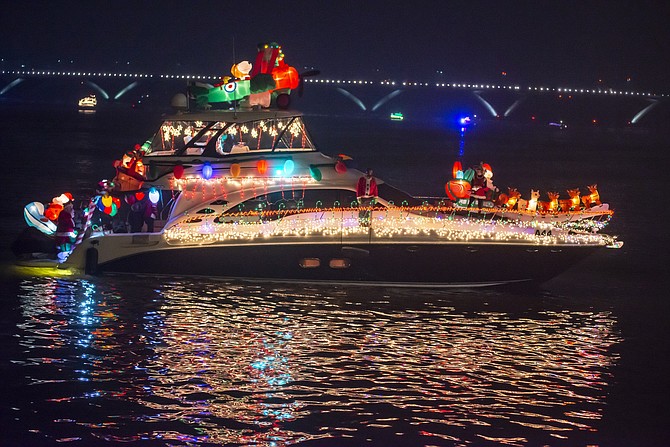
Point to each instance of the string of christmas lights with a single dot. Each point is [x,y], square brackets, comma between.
[323,225]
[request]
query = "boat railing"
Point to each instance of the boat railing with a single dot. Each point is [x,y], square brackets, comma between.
[424,209]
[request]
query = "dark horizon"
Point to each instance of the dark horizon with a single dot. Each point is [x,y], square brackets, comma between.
[607,44]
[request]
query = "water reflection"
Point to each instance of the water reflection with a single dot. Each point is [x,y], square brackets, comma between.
[208,363]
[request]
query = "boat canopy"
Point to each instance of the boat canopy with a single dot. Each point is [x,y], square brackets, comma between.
[219,134]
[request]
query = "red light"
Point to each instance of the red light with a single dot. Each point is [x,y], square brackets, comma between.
[532,117]
[594,121]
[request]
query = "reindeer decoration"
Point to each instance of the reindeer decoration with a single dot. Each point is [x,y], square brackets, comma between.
[575,200]
[532,203]
[552,205]
[513,196]
[593,198]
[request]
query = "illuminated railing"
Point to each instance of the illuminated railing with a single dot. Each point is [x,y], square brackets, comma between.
[383,225]
[581,213]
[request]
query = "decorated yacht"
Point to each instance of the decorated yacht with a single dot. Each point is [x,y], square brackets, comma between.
[244,193]
[88,102]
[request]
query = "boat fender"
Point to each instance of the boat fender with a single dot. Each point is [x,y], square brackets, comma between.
[91,267]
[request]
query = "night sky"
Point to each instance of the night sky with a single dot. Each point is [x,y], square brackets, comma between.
[567,42]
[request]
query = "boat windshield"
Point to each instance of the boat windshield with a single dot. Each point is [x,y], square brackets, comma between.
[220,139]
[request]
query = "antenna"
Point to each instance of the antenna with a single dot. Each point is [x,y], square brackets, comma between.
[234,59]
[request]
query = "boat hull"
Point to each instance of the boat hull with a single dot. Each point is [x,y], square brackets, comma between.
[428,265]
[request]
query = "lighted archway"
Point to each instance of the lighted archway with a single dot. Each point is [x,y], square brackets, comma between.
[514,105]
[11,85]
[98,88]
[349,95]
[486,104]
[125,90]
[385,99]
[638,116]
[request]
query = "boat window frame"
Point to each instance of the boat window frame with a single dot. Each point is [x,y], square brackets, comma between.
[210,151]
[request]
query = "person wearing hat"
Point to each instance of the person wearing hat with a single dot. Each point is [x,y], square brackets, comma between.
[65,233]
[366,193]
[482,185]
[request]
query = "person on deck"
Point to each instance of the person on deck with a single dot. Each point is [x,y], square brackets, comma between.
[136,216]
[65,233]
[482,185]
[366,193]
[150,214]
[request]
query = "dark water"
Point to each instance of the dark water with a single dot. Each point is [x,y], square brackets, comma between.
[182,362]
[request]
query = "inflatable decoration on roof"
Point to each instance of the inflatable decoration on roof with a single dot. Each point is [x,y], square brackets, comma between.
[130,170]
[268,79]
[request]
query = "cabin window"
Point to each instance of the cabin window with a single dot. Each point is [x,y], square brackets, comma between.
[278,134]
[310,263]
[397,197]
[175,137]
[218,138]
[339,263]
[273,205]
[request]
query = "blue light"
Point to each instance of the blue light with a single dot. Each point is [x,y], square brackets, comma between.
[289,166]
[207,171]
[464,120]
[154,195]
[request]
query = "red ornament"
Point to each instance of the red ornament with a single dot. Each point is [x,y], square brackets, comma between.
[139,196]
[262,166]
[457,189]
[178,171]
[340,167]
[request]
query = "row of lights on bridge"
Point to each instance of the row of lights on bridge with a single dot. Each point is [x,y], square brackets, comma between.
[338,81]
[78,73]
[488,86]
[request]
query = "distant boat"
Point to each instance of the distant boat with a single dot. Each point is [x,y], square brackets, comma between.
[88,102]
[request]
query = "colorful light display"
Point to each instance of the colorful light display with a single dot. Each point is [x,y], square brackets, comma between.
[397,222]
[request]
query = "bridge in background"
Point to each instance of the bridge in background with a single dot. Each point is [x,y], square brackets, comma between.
[360,96]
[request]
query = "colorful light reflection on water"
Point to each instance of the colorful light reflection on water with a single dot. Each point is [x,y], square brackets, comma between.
[212,363]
